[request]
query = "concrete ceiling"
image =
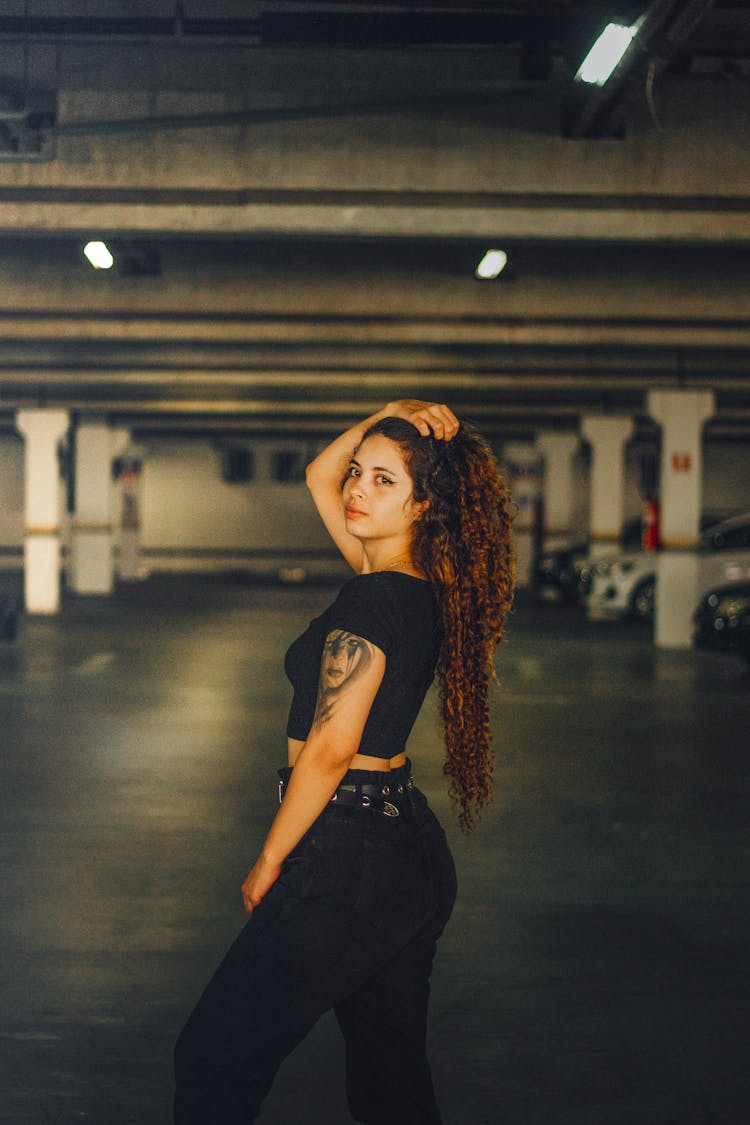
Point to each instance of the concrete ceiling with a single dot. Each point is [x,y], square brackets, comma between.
[298,196]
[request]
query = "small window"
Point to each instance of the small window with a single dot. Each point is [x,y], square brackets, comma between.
[237,465]
[287,466]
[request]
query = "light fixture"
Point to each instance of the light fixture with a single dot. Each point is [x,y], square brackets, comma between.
[99,255]
[606,53]
[492,265]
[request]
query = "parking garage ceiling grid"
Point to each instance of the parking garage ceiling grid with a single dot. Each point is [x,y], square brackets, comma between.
[512,365]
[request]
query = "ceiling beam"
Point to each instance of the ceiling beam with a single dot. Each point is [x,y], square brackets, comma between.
[320,328]
[709,222]
[216,382]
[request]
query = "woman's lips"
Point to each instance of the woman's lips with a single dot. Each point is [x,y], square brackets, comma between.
[353,513]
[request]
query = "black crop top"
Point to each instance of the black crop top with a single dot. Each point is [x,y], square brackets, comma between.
[399,614]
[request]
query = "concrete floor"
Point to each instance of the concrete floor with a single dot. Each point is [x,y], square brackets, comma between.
[595,969]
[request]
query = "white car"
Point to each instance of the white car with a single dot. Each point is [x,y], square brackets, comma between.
[624,585]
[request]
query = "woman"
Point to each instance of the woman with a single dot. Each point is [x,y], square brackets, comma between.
[355,882]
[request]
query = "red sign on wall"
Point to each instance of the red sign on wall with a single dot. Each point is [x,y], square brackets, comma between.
[681,462]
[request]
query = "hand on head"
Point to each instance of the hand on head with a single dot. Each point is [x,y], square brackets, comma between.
[430,418]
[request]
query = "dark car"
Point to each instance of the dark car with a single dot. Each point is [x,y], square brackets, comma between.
[11,603]
[722,619]
[559,570]
[568,571]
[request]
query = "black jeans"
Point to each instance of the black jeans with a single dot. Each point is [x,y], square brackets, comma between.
[351,924]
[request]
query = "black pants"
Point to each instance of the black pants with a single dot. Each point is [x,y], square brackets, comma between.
[351,924]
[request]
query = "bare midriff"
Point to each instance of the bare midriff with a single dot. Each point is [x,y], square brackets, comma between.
[358,762]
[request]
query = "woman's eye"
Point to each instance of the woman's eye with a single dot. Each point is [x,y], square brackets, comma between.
[385,480]
[353,472]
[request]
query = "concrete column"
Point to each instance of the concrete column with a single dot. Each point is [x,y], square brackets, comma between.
[523,472]
[681,415]
[558,451]
[607,434]
[92,569]
[42,431]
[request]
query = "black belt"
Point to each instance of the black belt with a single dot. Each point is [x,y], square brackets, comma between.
[384,799]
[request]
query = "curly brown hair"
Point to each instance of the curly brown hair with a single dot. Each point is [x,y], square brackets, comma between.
[462,543]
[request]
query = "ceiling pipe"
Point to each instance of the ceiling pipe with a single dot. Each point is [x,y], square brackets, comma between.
[458,27]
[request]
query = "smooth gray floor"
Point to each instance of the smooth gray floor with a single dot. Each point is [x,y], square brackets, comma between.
[595,969]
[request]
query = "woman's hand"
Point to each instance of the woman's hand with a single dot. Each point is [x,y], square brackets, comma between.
[428,417]
[259,882]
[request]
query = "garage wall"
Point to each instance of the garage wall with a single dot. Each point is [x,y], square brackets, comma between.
[726,476]
[188,509]
[11,500]
[192,519]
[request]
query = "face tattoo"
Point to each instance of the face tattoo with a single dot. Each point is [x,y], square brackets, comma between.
[345,657]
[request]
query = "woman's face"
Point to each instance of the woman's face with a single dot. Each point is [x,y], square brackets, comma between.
[378,492]
[344,653]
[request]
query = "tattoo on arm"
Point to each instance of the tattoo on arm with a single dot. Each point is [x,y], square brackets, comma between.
[345,657]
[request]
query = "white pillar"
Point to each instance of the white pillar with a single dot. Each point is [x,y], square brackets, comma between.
[91,569]
[42,431]
[681,415]
[522,465]
[558,451]
[607,434]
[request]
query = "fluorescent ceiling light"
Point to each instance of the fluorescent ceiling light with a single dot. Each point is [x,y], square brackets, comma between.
[606,53]
[492,265]
[99,255]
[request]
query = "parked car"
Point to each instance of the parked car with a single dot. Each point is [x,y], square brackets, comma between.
[9,614]
[722,619]
[567,569]
[625,585]
[559,570]
[11,602]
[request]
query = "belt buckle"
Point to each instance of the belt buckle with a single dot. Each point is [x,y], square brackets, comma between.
[389,809]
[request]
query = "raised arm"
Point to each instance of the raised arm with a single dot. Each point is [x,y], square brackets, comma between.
[325,474]
[324,477]
[351,672]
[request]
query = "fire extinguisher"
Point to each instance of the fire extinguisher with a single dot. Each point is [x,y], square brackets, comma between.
[650,524]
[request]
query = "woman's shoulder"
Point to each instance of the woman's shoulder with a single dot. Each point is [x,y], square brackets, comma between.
[386,597]
[392,585]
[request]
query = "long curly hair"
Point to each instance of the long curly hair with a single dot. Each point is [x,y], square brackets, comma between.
[462,543]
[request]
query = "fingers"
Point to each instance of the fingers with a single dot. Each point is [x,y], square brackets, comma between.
[257,884]
[429,417]
[250,902]
[250,898]
[436,419]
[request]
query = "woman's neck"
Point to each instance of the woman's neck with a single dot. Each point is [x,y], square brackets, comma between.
[401,562]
